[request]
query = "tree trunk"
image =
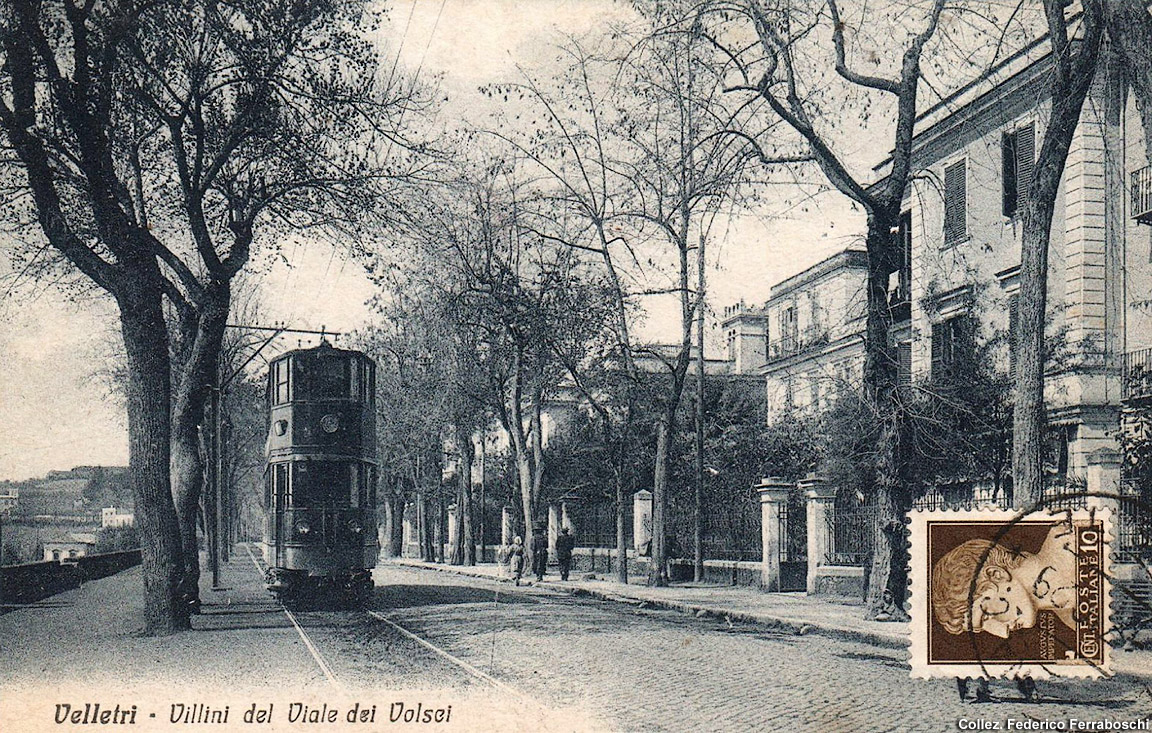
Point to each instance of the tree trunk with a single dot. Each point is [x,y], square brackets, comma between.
[441,523]
[666,425]
[520,449]
[394,503]
[621,532]
[887,586]
[465,536]
[657,570]
[698,497]
[1130,29]
[1070,83]
[203,335]
[149,389]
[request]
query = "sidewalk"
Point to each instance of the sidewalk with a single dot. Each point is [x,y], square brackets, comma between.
[81,637]
[795,612]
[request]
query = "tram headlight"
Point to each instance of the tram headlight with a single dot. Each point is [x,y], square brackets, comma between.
[303,528]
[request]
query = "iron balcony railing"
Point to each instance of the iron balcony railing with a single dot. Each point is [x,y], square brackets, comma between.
[1142,195]
[794,343]
[1137,382]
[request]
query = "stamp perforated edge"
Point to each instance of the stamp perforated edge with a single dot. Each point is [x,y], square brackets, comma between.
[918,596]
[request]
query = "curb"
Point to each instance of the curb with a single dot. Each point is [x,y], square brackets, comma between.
[800,628]
[1120,668]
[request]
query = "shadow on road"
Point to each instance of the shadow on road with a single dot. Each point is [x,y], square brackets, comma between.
[415,596]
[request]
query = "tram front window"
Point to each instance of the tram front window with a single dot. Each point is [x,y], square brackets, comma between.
[323,377]
[320,483]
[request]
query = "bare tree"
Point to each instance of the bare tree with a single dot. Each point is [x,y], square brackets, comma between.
[642,165]
[58,111]
[771,67]
[1129,26]
[209,128]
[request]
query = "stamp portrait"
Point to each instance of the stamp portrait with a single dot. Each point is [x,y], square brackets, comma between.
[997,593]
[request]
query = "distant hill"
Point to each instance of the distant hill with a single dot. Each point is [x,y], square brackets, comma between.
[82,490]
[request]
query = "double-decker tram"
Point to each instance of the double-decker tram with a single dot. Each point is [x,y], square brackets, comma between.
[320,478]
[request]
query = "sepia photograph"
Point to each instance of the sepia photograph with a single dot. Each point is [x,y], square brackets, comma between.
[575,365]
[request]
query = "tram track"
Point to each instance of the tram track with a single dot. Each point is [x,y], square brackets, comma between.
[321,662]
[331,677]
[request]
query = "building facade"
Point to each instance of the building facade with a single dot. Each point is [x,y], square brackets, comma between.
[807,340]
[975,153]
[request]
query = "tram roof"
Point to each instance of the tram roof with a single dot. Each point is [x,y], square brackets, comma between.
[324,345]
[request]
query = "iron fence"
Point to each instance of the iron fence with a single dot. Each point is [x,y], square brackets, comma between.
[1133,522]
[732,530]
[851,527]
[595,523]
[794,528]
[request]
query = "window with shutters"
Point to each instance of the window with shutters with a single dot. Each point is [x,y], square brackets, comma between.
[788,330]
[951,342]
[955,202]
[904,294]
[904,363]
[1017,154]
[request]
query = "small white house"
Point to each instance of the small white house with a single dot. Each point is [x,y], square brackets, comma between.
[111,516]
[74,547]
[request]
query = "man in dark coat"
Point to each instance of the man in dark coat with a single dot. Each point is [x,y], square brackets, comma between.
[564,544]
[539,552]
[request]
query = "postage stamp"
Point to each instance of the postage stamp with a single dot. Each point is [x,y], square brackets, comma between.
[1003,594]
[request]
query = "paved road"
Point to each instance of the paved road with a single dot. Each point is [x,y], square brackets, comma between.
[651,670]
[483,647]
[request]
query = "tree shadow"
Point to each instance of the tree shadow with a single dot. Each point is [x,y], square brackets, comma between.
[883,659]
[392,596]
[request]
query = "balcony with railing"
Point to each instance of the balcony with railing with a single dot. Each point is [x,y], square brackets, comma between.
[1142,195]
[1137,382]
[795,343]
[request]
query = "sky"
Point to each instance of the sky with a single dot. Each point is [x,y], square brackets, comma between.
[57,412]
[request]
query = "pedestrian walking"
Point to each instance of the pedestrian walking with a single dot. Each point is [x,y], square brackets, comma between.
[516,559]
[539,553]
[565,543]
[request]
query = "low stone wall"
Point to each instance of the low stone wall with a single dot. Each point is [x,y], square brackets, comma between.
[838,580]
[34,581]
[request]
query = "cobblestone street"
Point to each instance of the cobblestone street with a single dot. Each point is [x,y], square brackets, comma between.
[507,659]
[653,670]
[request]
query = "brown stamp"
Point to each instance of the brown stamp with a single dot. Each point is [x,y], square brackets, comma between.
[995,593]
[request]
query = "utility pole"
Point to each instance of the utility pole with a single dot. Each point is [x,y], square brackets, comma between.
[212,505]
[483,481]
[217,507]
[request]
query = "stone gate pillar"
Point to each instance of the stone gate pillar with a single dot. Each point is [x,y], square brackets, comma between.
[553,527]
[1103,477]
[773,493]
[821,501]
[409,529]
[451,527]
[566,518]
[506,532]
[642,521]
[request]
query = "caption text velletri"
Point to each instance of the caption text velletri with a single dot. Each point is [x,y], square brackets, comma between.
[94,713]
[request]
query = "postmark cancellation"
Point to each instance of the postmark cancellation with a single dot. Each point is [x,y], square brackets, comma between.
[1003,594]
